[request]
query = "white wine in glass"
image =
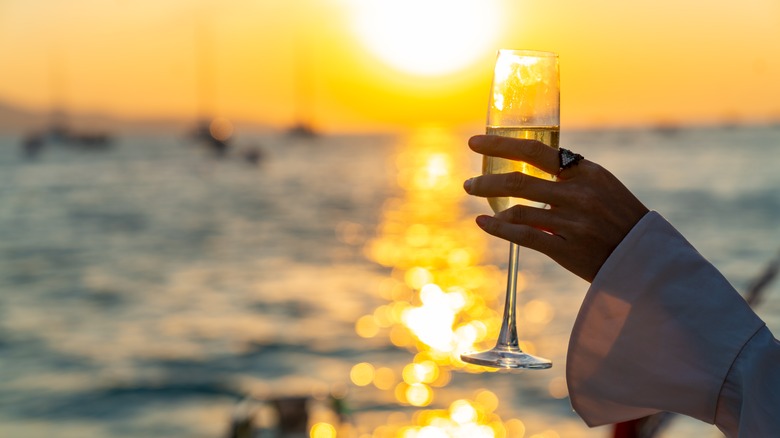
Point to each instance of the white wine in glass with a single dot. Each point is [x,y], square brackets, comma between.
[524,103]
[548,135]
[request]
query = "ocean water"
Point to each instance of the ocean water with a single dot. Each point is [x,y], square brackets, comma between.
[149,288]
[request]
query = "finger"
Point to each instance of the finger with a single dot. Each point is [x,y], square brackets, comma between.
[522,235]
[514,184]
[533,152]
[538,218]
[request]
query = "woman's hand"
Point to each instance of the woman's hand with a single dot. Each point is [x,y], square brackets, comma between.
[590,212]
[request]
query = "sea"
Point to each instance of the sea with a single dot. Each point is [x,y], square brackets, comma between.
[154,288]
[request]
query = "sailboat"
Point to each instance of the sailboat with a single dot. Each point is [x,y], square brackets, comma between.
[302,128]
[208,129]
[59,130]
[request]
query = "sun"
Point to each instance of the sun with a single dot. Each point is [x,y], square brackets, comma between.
[427,37]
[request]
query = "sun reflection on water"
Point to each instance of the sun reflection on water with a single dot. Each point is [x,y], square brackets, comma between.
[442,298]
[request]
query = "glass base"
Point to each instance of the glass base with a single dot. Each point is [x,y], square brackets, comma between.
[498,358]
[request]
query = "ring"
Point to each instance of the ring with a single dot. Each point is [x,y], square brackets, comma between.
[567,159]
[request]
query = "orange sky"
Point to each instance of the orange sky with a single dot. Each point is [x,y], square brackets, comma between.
[621,62]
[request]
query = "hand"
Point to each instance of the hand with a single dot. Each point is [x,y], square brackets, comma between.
[590,212]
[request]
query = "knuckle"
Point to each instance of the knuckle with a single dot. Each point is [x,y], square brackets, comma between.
[592,169]
[598,174]
[514,181]
[581,196]
[516,214]
[581,199]
[535,149]
[526,237]
[578,230]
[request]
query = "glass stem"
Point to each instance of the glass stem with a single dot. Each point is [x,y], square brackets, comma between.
[507,339]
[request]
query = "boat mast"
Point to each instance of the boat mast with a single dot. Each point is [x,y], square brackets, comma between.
[205,81]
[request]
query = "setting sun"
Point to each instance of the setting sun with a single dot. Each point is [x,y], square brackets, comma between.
[426,37]
[377,65]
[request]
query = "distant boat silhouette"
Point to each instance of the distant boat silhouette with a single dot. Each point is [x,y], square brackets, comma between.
[206,133]
[253,155]
[209,130]
[59,131]
[302,128]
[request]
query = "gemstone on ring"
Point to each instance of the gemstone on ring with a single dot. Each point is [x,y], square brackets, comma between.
[568,158]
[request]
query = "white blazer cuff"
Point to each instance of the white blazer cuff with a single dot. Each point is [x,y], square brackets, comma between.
[658,330]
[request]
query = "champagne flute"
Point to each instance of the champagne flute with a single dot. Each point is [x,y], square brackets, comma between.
[524,103]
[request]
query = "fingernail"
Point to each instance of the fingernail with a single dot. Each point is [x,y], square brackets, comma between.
[482,221]
[467,185]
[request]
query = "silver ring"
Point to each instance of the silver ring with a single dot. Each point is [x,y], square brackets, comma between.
[567,158]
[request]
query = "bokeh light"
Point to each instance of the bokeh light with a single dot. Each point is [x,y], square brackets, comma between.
[362,374]
[323,430]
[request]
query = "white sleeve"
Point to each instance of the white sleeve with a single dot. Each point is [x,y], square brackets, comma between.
[749,404]
[659,330]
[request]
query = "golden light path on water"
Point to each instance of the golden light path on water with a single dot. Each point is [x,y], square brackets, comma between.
[442,300]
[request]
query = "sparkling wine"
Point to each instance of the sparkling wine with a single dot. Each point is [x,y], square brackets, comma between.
[548,135]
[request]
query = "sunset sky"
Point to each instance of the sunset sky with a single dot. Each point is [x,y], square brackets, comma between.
[384,64]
